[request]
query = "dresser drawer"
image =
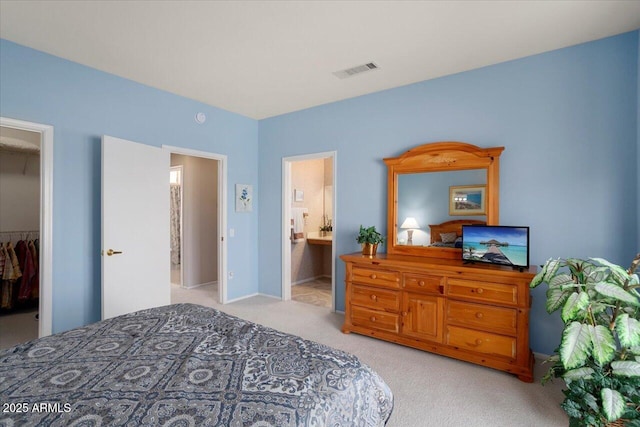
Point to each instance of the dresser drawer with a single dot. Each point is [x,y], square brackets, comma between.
[375,298]
[483,291]
[375,319]
[376,277]
[481,342]
[423,282]
[483,317]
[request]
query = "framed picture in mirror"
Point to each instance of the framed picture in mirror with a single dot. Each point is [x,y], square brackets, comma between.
[467,200]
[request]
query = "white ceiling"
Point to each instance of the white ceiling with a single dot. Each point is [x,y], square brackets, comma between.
[265,58]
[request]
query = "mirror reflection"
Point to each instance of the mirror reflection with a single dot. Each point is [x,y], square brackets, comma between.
[424,199]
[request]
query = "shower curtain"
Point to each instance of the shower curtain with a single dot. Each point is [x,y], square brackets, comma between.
[175,224]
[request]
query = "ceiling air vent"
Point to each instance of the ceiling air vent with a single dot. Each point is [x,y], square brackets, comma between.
[349,72]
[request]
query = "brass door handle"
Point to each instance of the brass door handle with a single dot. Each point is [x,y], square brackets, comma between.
[112,252]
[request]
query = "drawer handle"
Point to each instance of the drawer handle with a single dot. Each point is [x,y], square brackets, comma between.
[421,283]
[479,315]
[373,276]
[372,318]
[476,344]
[479,290]
[373,297]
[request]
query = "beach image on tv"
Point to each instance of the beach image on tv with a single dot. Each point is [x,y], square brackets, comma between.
[497,245]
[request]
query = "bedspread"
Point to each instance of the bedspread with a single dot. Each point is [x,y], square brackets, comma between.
[186,365]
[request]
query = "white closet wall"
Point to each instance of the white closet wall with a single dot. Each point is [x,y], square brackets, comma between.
[19,185]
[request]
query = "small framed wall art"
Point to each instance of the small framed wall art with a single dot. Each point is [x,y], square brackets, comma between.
[244,198]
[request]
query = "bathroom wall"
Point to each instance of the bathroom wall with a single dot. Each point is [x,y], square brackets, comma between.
[327,266]
[19,184]
[307,261]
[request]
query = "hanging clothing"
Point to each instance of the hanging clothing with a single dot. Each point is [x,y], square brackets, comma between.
[10,274]
[25,260]
[3,257]
[35,282]
[19,274]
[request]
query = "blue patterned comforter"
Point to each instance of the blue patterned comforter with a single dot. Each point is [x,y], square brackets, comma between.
[186,365]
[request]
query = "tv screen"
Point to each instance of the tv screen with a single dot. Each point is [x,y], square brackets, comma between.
[496,244]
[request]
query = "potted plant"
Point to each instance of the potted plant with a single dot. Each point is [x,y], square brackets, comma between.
[369,238]
[599,353]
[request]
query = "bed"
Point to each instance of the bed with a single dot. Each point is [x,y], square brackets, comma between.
[186,364]
[449,234]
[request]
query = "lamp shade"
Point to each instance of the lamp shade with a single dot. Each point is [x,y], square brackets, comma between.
[410,222]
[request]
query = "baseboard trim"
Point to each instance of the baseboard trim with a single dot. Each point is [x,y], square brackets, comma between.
[229,301]
[310,279]
[541,356]
[269,296]
[257,294]
[215,282]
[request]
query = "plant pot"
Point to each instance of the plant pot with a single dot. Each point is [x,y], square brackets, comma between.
[369,249]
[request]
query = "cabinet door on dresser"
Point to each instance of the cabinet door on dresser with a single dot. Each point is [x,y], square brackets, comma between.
[422,316]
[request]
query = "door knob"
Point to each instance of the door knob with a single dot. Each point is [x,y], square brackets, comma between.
[112,252]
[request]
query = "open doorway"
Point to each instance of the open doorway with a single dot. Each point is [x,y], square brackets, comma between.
[26,181]
[198,221]
[308,249]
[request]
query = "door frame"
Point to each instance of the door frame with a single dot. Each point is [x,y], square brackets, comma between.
[287,200]
[45,316]
[222,212]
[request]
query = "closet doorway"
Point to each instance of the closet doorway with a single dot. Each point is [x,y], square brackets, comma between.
[309,216]
[26,163]
[198,221]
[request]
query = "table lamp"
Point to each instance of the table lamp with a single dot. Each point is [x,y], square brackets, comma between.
[410,224]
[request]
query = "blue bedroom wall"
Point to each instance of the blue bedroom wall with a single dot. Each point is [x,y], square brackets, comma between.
[567,119]
[82,104]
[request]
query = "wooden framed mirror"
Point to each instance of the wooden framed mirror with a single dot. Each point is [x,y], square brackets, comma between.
[434,189]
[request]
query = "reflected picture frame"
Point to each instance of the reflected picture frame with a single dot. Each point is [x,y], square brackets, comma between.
[468,200]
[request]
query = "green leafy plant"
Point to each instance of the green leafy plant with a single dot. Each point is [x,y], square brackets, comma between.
[369,235]
[599,353]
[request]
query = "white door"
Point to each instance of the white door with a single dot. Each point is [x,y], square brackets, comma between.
[135,220]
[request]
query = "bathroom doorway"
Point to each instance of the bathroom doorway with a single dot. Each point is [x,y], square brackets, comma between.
[197,224]
[309,222]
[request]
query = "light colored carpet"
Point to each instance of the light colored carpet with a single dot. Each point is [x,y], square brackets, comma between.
[429,390]
[18,328]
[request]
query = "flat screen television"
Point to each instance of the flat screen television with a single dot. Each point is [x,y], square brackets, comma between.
[496,244]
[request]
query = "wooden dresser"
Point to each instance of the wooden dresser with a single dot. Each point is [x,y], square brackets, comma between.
[477,313]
